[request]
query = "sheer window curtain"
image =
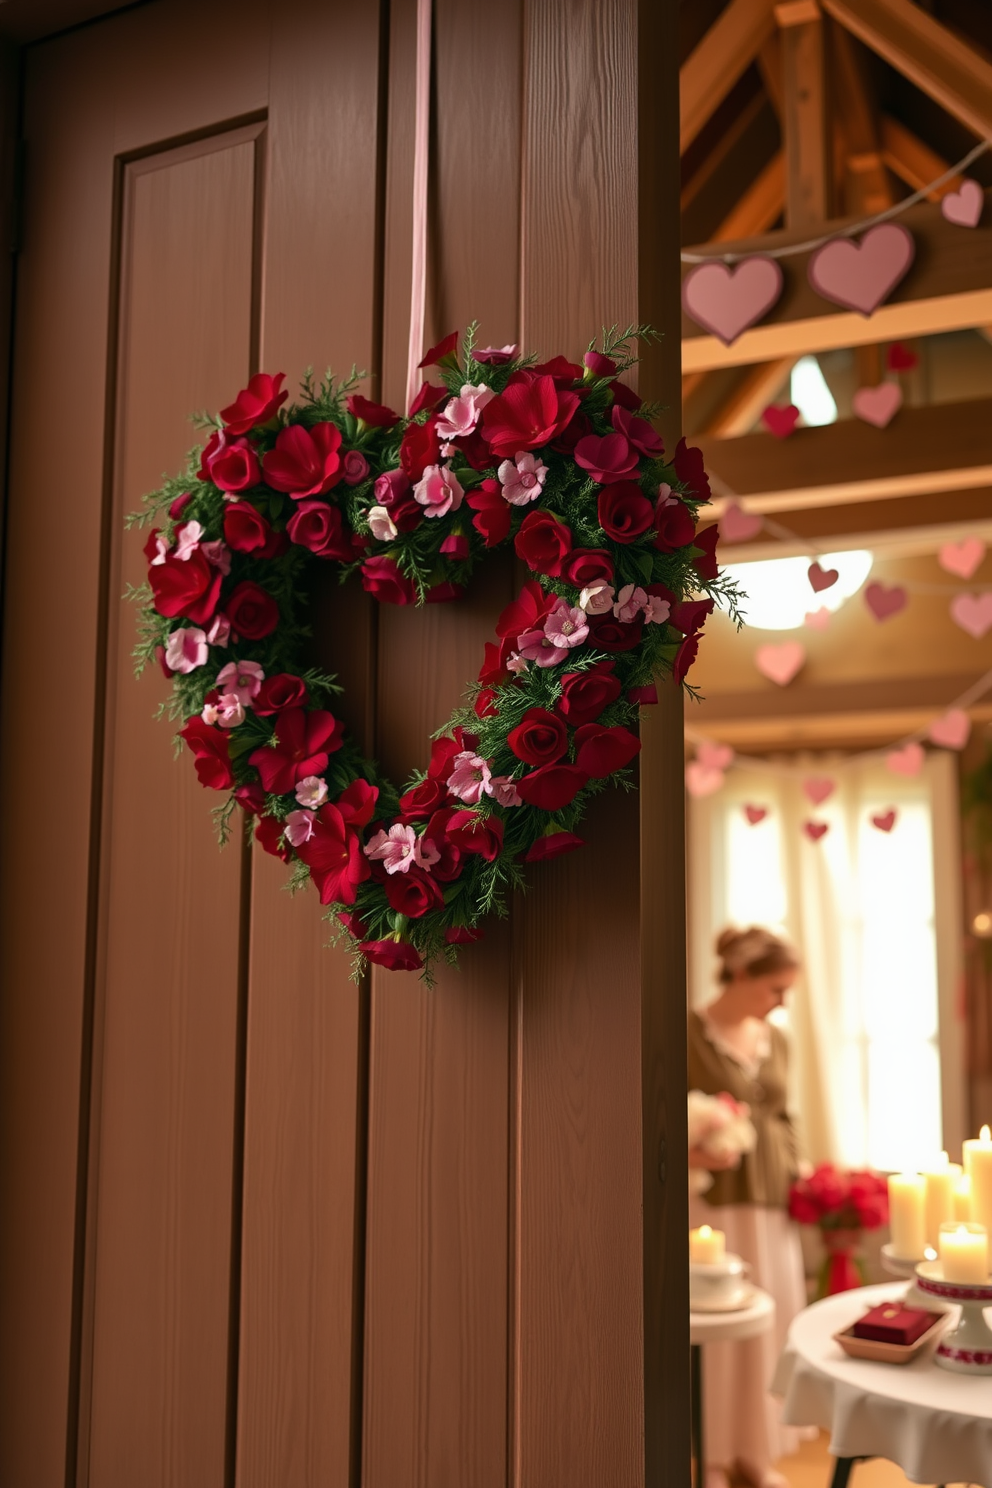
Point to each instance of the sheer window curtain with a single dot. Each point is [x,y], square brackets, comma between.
[875,1020]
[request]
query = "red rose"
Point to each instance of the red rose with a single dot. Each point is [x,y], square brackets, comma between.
[675,523]
[419,448]
[688,462]
[462,935]
[552,845]
[706,541]
[455,547]
[529,610]
[305,462]
[552,786]
[255,404]
[443,752]
[356,802]
[539,738]
[586,695]
[375,415]
[684,657]
[443,593]
[213,759]
[625,396]
[269,836]
[252,611]
[413,893]
[588,566]
[599,365]
[302,743]
[353,923]
[354,467]
[543,541]
[334,856]
[444,353]
[802,1206]
[251,798]
[428,397]
[600,751]
[690,616]
[319,527]
[528,413]
[422,800]
[393,491]
[638,431]
[476,834]
[176,507]
[280,691]
[188,587]
[245,529]
[231,464]
[485,704]
[395,955]
[643,696]
[561,371]
[492,512]
[382,578]
[608,634]
[624,511]
[607,457]
[449,865]
[578,426]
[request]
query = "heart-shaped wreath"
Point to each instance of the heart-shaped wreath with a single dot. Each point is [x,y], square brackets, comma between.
[558,458]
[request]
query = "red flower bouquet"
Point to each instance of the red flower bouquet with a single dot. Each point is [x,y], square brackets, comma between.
[842,1205]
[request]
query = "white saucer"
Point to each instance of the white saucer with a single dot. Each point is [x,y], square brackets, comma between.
[744,1299]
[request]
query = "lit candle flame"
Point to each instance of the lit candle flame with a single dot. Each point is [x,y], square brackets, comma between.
[705,1232]
[985,1135]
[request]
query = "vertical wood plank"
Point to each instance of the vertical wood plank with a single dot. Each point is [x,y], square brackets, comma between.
[804,117]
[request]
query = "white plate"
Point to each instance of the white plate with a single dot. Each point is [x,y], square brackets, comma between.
[744,1299]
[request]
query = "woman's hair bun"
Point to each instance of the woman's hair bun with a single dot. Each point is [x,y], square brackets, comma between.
[753,952]
[727,939]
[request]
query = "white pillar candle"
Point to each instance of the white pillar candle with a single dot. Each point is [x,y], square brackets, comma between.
[706,1247]
[941,1178]
[964,1252]
[907,1215]
[978,1166]
[962,1198]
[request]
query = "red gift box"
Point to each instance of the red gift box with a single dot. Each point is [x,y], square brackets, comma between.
[890,1322]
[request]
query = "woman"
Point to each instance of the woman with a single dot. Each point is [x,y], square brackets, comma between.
[732,1047]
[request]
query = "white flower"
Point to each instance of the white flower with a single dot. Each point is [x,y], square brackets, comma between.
[381,524]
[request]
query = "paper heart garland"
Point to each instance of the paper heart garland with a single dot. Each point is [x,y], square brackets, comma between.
[726,299]
[859,276]
[877,405]
[884,602]
[900,358]
[885,820]
[964,206]
[817,619]
[951,730]
[780,663]
[821,578]
[737,525]
[962,558]
[780,421]
[713,755]
[815,830]
[973,612]
[755,814]
[818,788]
[701,780]
[906,761]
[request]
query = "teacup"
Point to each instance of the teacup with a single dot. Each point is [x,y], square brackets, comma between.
[722,1284]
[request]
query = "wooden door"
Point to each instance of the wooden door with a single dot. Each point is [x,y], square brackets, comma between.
[272,1227]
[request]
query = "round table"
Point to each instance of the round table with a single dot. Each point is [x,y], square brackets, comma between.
[935,1425]
[721,1327]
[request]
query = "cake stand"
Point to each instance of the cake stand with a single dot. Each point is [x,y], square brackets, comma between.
[967,1349]
[897,1265]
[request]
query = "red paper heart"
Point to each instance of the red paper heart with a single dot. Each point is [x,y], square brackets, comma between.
[962,558]
[737,525]
[817,788]
[780,421]
[884,602]
[964,206]
[713,755]
[859,276]
[951,730]
[822,578]
[755,814]
[877,405]
[885,820]
[815,830]
[900,358]
[906,761]
[726,300]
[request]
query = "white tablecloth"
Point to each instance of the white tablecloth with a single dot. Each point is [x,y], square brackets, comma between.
[935,1424]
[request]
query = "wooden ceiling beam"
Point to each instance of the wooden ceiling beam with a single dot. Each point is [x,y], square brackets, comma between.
[913,521]
[912,161]
[725,52]
[884,542]
[749,398]
[868,189]
[804,113]
[761,205]
[952,73]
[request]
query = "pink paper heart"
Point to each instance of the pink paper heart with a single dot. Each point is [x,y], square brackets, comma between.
[906,761]
[726,300]
[884,602]
[780,663]
[713,755]
[900,358]
[780,421]
[964,207]
[877,405]
[701,780]
[885,820]
[818,788]
[973,612]
[817,619]
[737,525]
[951,730]
[962,558]
[822,578]
[755,814]
[815,830]
[859,276]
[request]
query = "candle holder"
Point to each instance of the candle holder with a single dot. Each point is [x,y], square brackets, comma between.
[898,1265]
[967,1349]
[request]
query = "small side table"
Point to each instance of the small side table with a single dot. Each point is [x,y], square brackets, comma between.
[720,1327]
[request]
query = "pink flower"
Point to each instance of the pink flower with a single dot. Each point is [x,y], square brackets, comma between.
[535,645]
[227,711]
[629,604]
[566,627]
[217,553]
[299,827]
[516,663]
[400,849]
[311,791]
[469,777]
[596,599]
[160,547]
[496,356]
[186,649]
[522,478]
[455,546]
[607,458]
[461,415]
[657,610]
[187,539]
[504,790]
[243,678]
[220,631]
[381,524]
[438,490]
[355,468]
